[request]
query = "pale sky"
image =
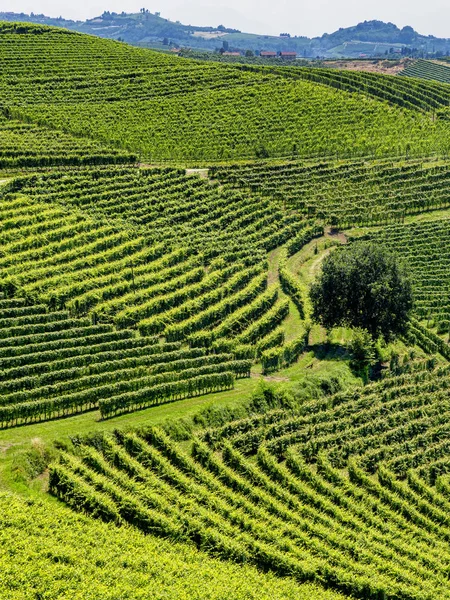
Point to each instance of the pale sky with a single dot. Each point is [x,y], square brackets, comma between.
[297,17]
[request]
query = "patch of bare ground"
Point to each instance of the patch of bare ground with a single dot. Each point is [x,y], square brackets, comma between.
[333,234]
[440,62]
[4,447]
[202,173]
[388,67]
[269,377]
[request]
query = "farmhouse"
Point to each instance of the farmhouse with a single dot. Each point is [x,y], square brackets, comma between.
[268,54]
[288,55]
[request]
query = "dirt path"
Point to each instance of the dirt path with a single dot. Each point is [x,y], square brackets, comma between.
[375,66]
[314,266]
[336,235]
[202,173]
[272,272]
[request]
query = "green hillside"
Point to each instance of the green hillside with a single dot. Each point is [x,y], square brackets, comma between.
[369,537]
[247,123]
[158,104]
[429,70]
[153,30]
[161,222]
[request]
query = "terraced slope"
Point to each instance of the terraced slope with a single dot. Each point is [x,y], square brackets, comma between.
[54,365]
[348,192]
[351,491]
[424,248]
[101,251]
[428,70]
[158,104]
[143,243]
[167,205]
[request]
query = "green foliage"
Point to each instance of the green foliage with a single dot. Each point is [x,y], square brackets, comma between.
[54,366]
[423,247]
[278,358]
[31,463]
[362,348]
[348,192]
[364,286]
[24,145]
[58,554]
[275,487]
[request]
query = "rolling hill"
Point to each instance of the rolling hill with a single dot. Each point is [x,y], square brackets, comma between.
[161,222]
[371,38]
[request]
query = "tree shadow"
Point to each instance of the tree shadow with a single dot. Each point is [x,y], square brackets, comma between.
[329,351]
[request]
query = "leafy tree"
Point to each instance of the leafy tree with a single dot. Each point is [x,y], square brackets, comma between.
[362,348]
[363,285]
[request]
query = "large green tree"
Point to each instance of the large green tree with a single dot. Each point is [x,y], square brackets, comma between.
[363,285]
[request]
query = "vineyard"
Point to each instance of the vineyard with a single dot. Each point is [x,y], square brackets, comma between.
[166,205]
[347,193]
[368,537]
[27,145]
[79,557]
[428,70]
[162,366]
[247,124]
[54,365]
[155,105]
[126,288]
[424,247]
[406,93]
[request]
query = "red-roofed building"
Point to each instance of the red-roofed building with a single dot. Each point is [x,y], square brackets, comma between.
[288,55]
[268,54]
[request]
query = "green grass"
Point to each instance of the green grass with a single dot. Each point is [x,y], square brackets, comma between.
[16,441]
[293,324]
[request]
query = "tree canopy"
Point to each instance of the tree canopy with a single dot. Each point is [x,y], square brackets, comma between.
[363,285]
